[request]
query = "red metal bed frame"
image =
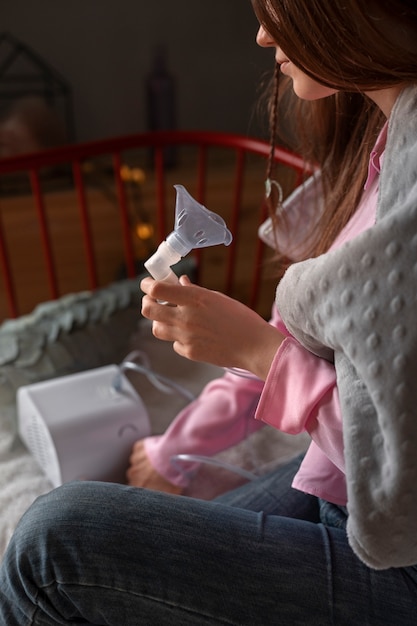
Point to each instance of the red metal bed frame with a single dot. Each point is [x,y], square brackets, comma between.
[74,156]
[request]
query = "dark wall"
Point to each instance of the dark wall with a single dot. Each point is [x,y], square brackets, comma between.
[104,48]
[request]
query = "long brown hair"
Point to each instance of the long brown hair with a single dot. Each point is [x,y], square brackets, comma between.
[352,48]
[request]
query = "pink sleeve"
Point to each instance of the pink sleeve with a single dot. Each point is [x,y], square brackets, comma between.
[300,394]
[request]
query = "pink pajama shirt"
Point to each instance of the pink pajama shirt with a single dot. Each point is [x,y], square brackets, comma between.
[299,394]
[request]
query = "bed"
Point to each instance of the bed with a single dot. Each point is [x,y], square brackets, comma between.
[76,224]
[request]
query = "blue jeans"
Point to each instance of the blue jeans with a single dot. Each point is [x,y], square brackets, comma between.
[96,553]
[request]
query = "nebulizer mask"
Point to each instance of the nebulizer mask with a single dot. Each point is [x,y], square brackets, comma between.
[195,227]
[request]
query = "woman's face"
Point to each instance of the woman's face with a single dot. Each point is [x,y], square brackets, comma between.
[305,87]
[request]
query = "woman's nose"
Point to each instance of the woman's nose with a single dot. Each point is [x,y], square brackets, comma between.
[264,39]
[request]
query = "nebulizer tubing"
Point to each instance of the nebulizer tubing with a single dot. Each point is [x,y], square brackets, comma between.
[160,382]
[197,458]
[194,227]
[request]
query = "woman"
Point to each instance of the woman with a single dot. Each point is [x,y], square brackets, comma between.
[340,546]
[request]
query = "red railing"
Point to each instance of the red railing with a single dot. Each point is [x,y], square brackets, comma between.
[75,156]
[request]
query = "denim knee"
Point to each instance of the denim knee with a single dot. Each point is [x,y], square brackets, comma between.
[51,515]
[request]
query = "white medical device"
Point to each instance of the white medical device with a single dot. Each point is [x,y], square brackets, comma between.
[82,426]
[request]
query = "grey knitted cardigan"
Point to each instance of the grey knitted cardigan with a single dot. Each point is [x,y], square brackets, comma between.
[358,306]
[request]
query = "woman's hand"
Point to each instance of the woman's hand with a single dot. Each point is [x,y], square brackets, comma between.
[208,326]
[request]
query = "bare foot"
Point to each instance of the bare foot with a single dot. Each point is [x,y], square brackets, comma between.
[141,472]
